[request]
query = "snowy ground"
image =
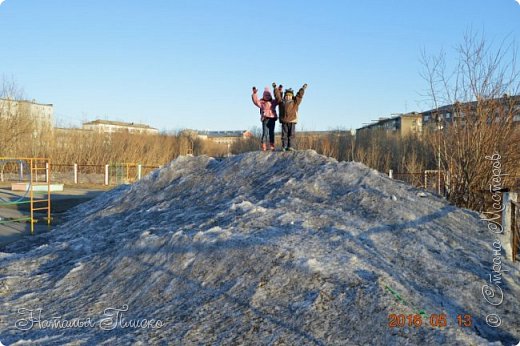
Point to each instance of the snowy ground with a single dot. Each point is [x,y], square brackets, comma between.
[260,248]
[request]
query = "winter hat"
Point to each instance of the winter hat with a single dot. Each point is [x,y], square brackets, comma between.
[289,91]
[267,94]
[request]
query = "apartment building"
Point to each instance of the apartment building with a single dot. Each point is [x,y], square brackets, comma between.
[403,124]
[224,137]
[108,126]
[40,114]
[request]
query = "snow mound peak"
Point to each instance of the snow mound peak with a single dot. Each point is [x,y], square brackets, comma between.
[260,248]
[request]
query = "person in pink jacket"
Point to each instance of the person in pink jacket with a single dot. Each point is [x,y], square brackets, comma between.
[268,116]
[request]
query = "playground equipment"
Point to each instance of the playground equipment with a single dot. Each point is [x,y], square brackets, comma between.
[30,172]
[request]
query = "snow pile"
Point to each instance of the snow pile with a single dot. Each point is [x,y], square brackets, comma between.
[260,248]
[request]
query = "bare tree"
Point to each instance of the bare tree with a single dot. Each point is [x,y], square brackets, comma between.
[480,122]
[16,125]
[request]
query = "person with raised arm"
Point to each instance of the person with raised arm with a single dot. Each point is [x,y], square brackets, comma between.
[268,116]
[288,108]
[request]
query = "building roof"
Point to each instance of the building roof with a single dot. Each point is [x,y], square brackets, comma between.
[237,133]
[71,129]
[323,133]
[381,121]
[119,123]
[472,105]
[442,109]
[27,101]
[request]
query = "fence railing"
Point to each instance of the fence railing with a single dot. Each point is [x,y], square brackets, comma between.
[431,180]
[509,217]
[95,174]
[438,181]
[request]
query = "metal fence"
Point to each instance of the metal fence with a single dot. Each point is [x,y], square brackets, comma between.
[415,179]
[437,181]
[92,174]
[431,180]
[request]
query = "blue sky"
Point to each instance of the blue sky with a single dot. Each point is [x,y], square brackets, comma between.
[191,64]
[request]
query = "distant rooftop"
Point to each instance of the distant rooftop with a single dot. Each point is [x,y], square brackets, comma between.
[26,101]
[515,99]
[118,123]
[323,132]
[68,129]
[383,120]
[235,133]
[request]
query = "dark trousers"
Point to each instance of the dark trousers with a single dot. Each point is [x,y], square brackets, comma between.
[288,134]
[268,125]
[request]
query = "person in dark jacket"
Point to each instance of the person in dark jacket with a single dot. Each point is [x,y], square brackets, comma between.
[288,109]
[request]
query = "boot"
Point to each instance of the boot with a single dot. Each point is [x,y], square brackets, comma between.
[272,147]
[264,147]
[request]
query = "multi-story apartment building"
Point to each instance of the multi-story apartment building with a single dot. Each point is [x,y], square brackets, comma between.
[504,106]
[39,114]
[224,137]
[107,126]
[403,124]
[417,122]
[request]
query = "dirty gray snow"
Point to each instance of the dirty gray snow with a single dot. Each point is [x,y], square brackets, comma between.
[259,248]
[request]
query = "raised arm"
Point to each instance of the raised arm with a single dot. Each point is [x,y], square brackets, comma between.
[254,97]
[277,93]
[299,95]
